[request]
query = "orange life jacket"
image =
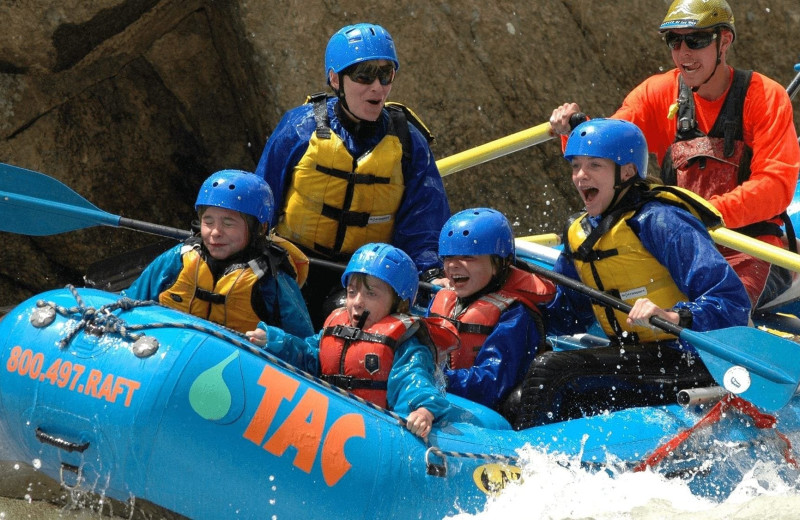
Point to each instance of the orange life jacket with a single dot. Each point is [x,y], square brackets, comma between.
[479,319]
[359,360]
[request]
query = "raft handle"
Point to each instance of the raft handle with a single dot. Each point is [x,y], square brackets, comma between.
[436,470]
[72,468]
[59,443]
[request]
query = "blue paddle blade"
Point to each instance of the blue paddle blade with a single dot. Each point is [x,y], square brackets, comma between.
[754,364]
[32,203]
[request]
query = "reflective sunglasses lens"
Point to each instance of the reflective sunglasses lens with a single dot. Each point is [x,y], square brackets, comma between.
[695,40]
[673,40]
[699,40]
[367,74]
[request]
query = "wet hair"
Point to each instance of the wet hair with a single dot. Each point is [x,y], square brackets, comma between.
[398,305]
[502,268]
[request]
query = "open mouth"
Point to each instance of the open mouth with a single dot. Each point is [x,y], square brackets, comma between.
[589,194]
[460,278]
[375,102]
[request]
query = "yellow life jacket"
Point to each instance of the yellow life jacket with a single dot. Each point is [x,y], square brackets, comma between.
[297,259]
[335,202]
[617,262]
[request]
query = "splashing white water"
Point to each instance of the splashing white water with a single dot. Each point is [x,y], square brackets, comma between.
[556,488]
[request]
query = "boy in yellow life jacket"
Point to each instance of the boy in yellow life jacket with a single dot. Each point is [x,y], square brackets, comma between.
[638,242]
[232,273]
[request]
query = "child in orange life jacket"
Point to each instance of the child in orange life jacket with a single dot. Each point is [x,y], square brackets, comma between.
[232,274]
[493,305]
[372,346]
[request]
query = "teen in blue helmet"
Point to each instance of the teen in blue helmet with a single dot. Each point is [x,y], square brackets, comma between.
[616,140]
[232,273]
[494,305]
[646,244]
[371,346]
[352,169]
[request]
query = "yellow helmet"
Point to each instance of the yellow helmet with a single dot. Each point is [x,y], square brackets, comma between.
[698,14]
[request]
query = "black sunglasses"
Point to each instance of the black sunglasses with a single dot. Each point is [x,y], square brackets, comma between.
[694,40]
[366,73]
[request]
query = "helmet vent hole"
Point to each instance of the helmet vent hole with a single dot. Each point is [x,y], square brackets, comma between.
[465,232]
[231,186]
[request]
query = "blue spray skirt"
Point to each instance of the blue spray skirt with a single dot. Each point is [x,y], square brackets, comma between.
[195,419]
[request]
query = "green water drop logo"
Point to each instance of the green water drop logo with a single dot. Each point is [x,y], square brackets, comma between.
[209,396]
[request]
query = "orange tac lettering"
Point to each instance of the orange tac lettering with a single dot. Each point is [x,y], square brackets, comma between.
[278,387]
[302,429]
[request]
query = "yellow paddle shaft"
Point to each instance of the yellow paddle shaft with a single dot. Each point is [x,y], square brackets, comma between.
[494,149]
[757,248]
[541,133]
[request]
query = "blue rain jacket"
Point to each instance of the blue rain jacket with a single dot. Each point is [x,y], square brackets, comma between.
[424,208]
[680,242]
[502,361]
[163,271]
[411,382]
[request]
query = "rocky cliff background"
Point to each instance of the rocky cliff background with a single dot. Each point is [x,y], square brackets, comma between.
[134,103]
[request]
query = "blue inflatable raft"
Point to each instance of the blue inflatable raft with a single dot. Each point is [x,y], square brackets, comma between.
[136,401]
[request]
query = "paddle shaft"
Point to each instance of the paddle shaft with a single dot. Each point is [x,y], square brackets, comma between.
[499,147]
[697,339]
[155,229]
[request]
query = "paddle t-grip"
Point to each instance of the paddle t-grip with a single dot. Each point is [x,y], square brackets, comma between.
[576,119]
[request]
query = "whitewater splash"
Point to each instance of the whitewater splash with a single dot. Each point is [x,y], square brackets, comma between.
[556,487]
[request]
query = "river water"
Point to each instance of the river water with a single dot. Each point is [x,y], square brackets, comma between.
[556,489]
[553,488]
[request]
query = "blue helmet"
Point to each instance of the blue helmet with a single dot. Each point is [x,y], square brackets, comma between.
[614,139]
[240,191]
[387,263]
[356,43]
[477,231]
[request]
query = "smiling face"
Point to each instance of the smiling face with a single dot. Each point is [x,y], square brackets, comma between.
[364,101]
[594,179]
[224,232]
[365,292]
[468,274]
[698,65]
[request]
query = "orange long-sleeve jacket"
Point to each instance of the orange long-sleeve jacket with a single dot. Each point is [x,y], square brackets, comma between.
[768,130]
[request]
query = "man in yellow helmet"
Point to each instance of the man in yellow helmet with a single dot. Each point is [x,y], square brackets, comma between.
[729,137]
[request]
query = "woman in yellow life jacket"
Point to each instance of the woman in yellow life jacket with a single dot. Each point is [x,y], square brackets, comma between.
[232,273]
[351,169]
[643,244]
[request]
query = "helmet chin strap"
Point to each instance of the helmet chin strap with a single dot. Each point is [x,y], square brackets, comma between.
[343,100]
[719,60]
[620,185]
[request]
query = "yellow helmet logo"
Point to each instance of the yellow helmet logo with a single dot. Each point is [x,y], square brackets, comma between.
[698,14]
